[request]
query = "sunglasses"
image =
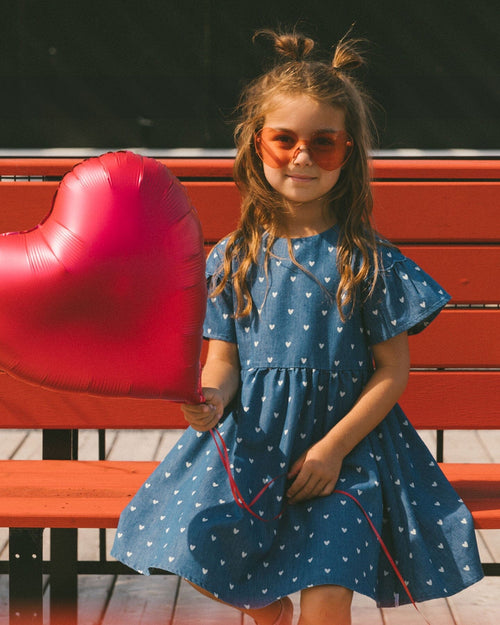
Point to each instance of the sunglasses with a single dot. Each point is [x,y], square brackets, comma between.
[329,150]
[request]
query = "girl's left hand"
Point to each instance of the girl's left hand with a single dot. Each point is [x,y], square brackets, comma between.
[315,473]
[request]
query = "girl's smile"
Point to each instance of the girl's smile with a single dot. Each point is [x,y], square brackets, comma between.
[300,177]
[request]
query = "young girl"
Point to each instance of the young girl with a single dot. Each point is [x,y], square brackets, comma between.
[307,318]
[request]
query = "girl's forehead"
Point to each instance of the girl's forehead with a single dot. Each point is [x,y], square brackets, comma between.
[303,113]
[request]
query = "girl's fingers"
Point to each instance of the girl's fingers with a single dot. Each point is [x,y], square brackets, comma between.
[296,467]
[296,488]
[309,487]
[201,417]
[327,490]
[303,490]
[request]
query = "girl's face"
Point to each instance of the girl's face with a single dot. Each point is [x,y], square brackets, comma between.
[300,180]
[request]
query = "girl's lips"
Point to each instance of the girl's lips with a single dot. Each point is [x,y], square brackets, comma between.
[300,177]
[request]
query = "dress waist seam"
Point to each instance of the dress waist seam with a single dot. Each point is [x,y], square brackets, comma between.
[268,367]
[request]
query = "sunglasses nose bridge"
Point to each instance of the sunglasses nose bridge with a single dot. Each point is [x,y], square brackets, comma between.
[300,147]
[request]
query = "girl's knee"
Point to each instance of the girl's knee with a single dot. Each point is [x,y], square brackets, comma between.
[326,605]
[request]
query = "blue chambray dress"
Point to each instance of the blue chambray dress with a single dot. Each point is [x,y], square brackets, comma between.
[302,369]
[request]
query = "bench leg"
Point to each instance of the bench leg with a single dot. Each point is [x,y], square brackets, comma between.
[25,576]
[63,445]
[63,577]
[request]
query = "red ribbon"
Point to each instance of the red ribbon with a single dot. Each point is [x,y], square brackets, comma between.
[238,497]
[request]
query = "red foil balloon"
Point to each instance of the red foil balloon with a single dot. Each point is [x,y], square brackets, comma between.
[107,295]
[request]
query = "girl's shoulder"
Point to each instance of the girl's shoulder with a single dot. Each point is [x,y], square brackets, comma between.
[238,249]
[215,258]
[388,254]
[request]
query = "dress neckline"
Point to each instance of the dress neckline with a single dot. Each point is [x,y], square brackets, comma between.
[311,237]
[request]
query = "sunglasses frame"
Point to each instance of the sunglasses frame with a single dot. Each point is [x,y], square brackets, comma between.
[270,157]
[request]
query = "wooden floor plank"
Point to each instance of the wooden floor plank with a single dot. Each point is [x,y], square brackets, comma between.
[134,445]
[93,593]
[492,540]
[483,543]
[437,612]
[168,439]
[4,600]
[88,448]
[31,448]
[465,446]
[365,611]
[10,440]
[429,438]
[491,441]
[479,604]
[142,601]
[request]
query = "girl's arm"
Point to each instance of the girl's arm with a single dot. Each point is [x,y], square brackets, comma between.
[220,380]
[316,472]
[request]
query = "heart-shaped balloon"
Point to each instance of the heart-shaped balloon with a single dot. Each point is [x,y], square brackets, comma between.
[107,295]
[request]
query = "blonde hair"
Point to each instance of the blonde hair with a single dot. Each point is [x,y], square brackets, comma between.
[350,200]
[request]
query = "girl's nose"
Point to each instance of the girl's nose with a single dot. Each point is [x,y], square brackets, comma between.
[302,156]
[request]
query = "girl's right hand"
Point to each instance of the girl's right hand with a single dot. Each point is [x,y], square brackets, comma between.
[203,417]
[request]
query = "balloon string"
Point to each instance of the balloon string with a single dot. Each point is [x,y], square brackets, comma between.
[224,456]
[238,497]
[385,550]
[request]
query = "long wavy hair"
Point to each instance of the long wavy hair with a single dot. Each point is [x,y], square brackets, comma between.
[350,200]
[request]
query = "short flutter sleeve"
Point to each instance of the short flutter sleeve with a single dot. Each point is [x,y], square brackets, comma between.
[405,298]
[219,318]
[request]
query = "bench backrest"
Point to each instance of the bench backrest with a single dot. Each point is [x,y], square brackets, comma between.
[445,214]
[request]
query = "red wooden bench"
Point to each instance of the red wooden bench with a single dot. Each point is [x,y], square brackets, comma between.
[445,214]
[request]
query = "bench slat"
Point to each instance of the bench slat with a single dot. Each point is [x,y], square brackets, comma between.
[470,273]
[432,400]
[58,493]
[422,169]
[25,405]
[428,169]
[414,203]
[24,204]
[459,338]
[438,211]
[479,486]
[456,400]
[90,494]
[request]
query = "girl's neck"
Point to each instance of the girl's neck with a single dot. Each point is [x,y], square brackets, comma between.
[301,222]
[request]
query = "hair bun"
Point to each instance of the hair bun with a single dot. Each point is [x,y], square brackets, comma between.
[347,56]
[292,46]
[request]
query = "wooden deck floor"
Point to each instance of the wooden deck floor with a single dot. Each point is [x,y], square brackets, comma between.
[167,600]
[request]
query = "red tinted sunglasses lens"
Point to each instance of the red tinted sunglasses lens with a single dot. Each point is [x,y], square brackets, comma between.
[274,148]
[329,150]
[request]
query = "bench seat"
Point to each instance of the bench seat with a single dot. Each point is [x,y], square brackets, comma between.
[61,493]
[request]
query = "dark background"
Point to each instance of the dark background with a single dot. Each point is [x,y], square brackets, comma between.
[167,73]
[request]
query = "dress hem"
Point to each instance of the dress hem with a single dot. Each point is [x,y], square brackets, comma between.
[402,597]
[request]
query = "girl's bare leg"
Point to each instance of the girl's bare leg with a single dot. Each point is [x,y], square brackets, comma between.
[325,605]
[262,616]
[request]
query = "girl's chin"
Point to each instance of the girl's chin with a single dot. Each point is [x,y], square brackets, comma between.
[302,197]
